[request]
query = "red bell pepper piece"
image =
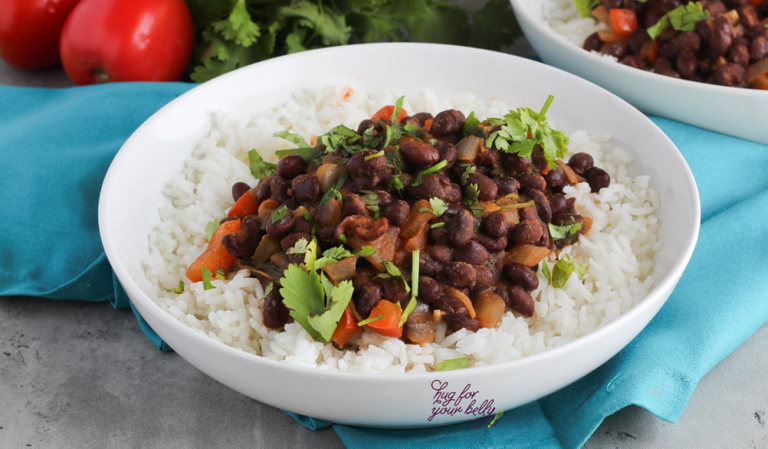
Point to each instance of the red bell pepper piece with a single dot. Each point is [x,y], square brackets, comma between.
[389,324]
[346,329]
[246,205]
[386,112]
[215,256]
[623,22]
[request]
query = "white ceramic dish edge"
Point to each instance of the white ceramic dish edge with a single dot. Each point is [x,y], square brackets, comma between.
[727,110]
[399,400]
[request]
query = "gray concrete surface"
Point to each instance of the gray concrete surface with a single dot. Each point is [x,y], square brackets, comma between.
[82,375]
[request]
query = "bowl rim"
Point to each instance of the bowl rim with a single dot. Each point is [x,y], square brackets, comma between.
[668,282]
[521,10]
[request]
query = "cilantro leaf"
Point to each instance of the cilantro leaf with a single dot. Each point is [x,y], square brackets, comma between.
[433,169]
[221,274]
[469,169]
[545,271]
[299,248]
[472,126]
[398,108]
[682,18]
[414,288]
[370,320]
[259,167]
[366,251]
[303,295]
[279,214]
[379,153]
[563,270]
[438,207]
[269,288]
[564,232]
[206,279]
[371,200]
[397,184]
[470,200]
[210,228]
[326,323]
[293,138]
[393,272]
[585,7]
[332,256]
[309,154]
[178,289]
[452,364]
[437,225]
[333,190]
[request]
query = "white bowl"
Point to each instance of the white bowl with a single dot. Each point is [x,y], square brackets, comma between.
[727,110]
[131,196]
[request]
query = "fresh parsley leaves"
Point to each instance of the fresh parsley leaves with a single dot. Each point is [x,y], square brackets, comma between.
[210,228]
[470,200]
[562,270]
[259,167]
[452,364]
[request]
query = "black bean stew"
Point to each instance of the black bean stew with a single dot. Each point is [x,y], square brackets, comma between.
[716,42]
[428,191]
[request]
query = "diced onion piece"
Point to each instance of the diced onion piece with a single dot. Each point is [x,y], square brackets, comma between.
[601,13]
[419,327]
[267,207]
[298,212]
[328,174]
[757,69]
[450,291]
[280,260]
[761,82]
[342,270]
[513,215]
[608,37]
[490,309]
[383,246]
[732,16]
[330,214]
[490,206]
[416,219]
[267,247]
[468,148]
[570,175]
[527,255]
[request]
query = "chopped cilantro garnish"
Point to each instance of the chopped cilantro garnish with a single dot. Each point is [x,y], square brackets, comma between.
[433,169]
[468,170]
[682,18]
[343,239]
[436,225]
[308,154]
[366,251]
[564,232]
[293,138]
[206,279]
[331,256]
[452,364]
[471,201]
[563,270]
[279,214]
[371,320]
[414,288]
[523,129]
[178,289]
[308,216]
[210,228]
[379,153]
[269,288]
[472,126]
[393,272]
[299,248]
[397,184]
[398,108]
[303,294]
[585,7]
[438,207]
[371,200]
[334,190]
[259,167]
[221,274]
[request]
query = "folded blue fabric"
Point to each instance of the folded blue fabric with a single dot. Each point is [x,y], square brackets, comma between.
[57,145]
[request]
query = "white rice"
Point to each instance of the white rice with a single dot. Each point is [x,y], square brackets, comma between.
[619,248]
[565,20]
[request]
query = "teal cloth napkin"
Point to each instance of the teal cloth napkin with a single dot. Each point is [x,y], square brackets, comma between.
[56,146]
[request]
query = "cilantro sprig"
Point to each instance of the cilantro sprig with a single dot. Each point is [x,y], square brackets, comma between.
[471,201]
[522,129]
[393,272]
[431,170]
[585,7]
[438,207]
[562,270]
[565,231]
[682,18]
[259,167]
[332,256]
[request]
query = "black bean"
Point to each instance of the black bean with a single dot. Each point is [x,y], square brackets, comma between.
[538,160]
[290,204]
[263,190]
[239,189]
[366,297]
[490,158]
[420,154]
[528,213]
[636,40]
[739,54]
[353,205]
[593,42]
[397,212]
[385,199]
[483,281]
[447,152]
[306,188]
[521,301]
[440,253]
[438,234]
[597,178]
[326,237]
[274,312]
[533,181]
[452,308]
[486,189]
[282,227]
[617,49]
[429,289]
[428,267]
[715,8]
[668,35]
[663,63]
[556,178]
[748,16]
[472,253]
[491,244]
[452,194]
[460,274]
[730,74]
[721,36]
[461,228]
[367,123]
[686,64]
[431,186]
[278,187]
[244,242]
[495,225]
[464,322]
[359,168]
[613,4]
[527,232]
[633,61]
[506,185]
[558,204]
[514,163]
[448,122]
[410,120]
[543,209]
[302,225]
[687,41]
[422,117]
[451,211]
[758,49]
[290,166]
[668,72]
[290,241]
[521,275]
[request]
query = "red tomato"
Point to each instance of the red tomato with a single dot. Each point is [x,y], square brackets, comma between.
[30,30]
[623,22]
[127,40]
